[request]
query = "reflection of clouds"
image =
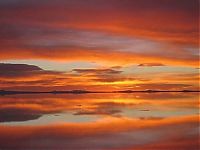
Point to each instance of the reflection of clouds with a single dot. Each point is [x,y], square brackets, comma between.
[105,134]
[98,112]
[21,108]
[15,114]
[181,143]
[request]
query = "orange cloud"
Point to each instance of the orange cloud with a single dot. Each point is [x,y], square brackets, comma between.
[30,77]
[87,33]
[110,57]
[168,20]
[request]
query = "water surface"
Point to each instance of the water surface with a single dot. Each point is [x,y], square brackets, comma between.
[139,121]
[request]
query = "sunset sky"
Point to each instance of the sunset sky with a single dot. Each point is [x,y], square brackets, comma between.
[101,45]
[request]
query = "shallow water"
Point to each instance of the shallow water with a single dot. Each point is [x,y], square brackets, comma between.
[141,121]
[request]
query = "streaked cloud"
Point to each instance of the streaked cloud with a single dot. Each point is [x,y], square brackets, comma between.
[150,65]
[74,33]
[23,77]
[97,71]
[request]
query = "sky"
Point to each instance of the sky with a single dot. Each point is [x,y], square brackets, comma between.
[100,45]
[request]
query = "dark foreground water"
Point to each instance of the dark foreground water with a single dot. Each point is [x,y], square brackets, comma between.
[138,121]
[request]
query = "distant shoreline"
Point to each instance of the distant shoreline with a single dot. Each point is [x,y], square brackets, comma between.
[5,92]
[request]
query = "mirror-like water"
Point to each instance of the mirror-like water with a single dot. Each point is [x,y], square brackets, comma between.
[139,121]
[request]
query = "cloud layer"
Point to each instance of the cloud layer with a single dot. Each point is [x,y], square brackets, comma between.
[31,77]
[74,31]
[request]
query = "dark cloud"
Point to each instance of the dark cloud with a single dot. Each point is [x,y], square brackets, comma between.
[19,67]
[23,70]
[97,71]
[151,65]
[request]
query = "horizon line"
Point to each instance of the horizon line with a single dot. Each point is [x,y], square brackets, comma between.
[11,92]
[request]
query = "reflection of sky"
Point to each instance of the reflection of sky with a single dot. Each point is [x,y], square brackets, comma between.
[53,119]
[100,121]
[89,108]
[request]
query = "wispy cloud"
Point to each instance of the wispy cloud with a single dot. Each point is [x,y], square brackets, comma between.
[150,65]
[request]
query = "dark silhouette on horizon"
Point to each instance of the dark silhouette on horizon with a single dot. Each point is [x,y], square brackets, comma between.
[7,92]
